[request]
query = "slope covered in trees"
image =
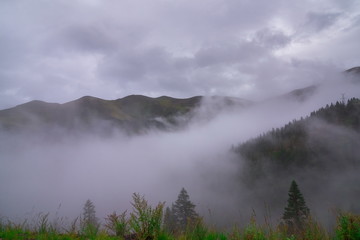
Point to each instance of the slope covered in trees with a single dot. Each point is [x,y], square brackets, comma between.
[320,151]
[331,132]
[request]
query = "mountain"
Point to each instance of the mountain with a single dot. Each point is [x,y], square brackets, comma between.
[320,151]
[354,70]
[306,141]
[353,74]
[301,94]
[132,114]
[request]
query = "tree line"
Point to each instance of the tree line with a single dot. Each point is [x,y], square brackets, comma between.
[147,222]
[182,222]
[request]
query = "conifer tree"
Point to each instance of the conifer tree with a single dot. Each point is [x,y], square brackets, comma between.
[169,220]
[296,211]
[184,210]
[90,223]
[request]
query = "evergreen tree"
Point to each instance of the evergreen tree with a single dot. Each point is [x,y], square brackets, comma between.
[90,223]
[296,211]
[169,220]
[184,210]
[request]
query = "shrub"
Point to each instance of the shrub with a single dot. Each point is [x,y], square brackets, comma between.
[117,224]
[145,221]
[348,227]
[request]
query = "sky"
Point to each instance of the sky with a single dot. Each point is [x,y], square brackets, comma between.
[59,50]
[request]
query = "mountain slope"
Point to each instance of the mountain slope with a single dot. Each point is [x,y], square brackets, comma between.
[132,114]
[302,142]
[303,94]
[321,152]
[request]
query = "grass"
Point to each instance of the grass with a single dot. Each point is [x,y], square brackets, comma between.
[145,223]
[347,228]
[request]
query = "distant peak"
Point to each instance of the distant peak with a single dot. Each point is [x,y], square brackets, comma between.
[34,103]
[354,70]
[89,98]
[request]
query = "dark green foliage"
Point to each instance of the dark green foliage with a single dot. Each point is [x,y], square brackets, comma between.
[312,141]
[296,211]
[348,227]
[183,211]
[165,236]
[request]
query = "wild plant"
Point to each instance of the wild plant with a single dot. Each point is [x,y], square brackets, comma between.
[73,229]
[348,227]
[145,221]
[43,223]
[196,229]
[253,231]
[117,224]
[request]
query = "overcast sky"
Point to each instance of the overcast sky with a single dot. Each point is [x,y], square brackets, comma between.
[60,50]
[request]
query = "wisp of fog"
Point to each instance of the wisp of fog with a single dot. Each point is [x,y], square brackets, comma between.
[38,175]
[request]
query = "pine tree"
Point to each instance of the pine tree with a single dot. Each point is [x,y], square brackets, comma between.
[90,223]
[296,211]
[184,210]
[169,220]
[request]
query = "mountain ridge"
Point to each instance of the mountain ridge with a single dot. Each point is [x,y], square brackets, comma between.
[134,113]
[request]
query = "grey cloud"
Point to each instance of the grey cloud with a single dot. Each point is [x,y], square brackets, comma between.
[137,65]
[89,38]
[94,38]
[272,38]
[111,49]
[232,68]
[321,21]
[317,22]
[149,70]
[228,54]
[355,23]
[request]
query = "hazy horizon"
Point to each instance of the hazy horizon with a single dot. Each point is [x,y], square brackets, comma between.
[58,51]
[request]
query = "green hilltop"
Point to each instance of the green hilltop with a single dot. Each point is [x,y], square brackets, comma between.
[133,112]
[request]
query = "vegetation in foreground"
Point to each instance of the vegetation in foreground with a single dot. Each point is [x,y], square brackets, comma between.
[181,222]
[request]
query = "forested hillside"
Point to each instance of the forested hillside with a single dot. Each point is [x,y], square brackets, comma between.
[301,142]
[321,151]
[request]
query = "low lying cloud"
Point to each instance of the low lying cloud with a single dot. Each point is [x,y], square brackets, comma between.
[37,175]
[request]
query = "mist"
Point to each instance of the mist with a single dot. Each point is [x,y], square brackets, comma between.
[38,175]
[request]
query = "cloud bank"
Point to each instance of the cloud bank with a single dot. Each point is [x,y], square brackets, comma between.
[59,50]
[37,175]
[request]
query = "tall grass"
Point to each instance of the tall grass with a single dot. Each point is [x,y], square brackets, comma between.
[145,224]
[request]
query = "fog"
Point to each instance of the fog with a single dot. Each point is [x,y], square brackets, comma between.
[38,175]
